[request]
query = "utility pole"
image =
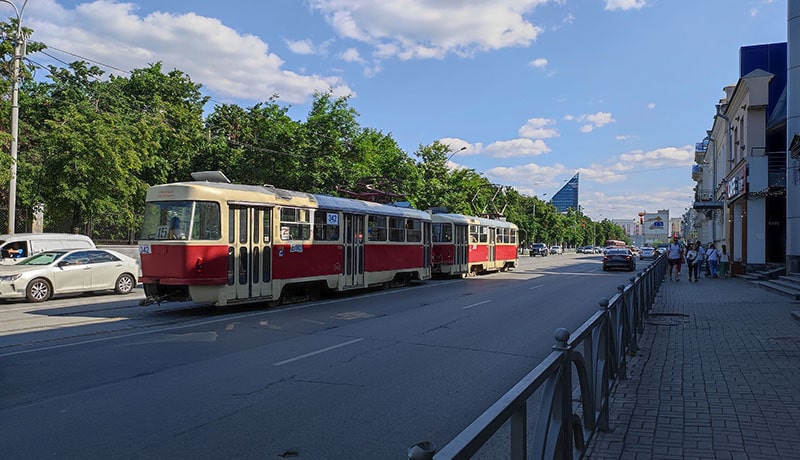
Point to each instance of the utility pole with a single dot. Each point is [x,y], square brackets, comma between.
[19,54]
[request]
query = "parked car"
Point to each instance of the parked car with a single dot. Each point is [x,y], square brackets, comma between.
[556,250]
[539,249]
[619,258]
[647,253]
[39,277]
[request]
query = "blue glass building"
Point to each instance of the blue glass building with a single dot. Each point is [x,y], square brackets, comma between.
[567,197]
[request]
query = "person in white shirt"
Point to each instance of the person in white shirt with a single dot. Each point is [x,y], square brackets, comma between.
[712,257]
[723,262]
[674,259]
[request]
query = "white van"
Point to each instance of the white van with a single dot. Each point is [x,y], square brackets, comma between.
[14,248]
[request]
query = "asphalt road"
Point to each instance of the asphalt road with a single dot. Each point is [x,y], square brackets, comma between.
[350,376]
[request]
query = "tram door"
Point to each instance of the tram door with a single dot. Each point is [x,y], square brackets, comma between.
[492,236]
[461,250]
[353,250]
[250,251]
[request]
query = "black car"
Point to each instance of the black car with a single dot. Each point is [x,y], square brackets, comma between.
[539,249]
[621,258]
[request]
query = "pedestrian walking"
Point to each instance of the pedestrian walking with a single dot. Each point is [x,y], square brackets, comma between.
[724,263]
[693,261]
[712,257]
[703,264]
[674,259]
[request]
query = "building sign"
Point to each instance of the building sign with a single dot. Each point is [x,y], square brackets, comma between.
[656,224]
[737,184]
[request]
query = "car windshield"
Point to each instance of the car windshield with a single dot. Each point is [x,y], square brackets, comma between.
[44,258]
[618,251]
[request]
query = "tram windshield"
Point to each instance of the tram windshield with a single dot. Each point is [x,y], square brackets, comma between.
[181,220]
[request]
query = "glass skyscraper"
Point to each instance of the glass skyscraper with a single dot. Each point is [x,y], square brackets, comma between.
[567,197]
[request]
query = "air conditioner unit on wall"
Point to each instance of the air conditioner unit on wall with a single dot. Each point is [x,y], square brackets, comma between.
[794,146]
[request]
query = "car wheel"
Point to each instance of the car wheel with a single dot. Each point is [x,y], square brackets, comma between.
[124,284]
[38,290]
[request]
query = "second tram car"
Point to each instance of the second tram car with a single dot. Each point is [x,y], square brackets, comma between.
[466,245]
[221,243]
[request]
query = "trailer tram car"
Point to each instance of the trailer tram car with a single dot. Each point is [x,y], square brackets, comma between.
[466,245]
[220,243]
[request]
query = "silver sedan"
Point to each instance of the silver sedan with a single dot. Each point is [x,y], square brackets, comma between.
[39,277]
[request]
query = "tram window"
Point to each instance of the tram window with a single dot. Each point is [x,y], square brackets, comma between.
[206,223]
[159,214]
[513,236]
[231,225]
[267,224]
[326,226]
[243,262]
[413,230]
[442,233]
[295,224]
[256,222]
[474,233]
[243,226]
[397,230]
[376,228]
[484,234]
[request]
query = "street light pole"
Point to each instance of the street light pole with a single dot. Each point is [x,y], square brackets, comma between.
[19,51]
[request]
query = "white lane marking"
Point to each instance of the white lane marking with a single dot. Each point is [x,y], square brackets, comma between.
[297,358]
[214,321]
[475,304]
[537,286]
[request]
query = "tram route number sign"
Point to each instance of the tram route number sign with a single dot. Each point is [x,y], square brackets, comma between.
[333,218]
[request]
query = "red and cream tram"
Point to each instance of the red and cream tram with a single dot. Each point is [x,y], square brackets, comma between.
[216,242]
[466,245]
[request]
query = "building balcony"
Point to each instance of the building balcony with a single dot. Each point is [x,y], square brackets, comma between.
[700,150]
[704,199]
[697,172]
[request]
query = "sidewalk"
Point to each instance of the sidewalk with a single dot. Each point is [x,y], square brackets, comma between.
[717,376]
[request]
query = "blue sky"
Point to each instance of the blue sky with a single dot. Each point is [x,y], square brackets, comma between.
[536,90]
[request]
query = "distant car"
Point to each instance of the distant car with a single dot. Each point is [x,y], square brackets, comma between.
[587,250]
[556,250]
[662,248]
[647,253]
[39,277]
[620,258]
[539,249]
[598,250]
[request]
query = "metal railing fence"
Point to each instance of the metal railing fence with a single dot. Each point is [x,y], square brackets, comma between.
[596,353]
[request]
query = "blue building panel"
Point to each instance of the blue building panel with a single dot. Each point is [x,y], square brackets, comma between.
[567,197]
[772,58]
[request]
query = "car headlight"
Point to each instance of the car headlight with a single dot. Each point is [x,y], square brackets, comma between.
[13,277]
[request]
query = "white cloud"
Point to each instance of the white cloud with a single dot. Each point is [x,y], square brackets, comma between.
[538,63]
[529,177]
[460,147]
[517,148]
[538,128]
[651,105]
[225,61]
[667,156]
[301,46]
[613,5]
[598,119]
[352,55]
[424,29]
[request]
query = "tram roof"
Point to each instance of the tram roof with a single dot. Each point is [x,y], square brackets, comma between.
[260,195]
[460,218]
